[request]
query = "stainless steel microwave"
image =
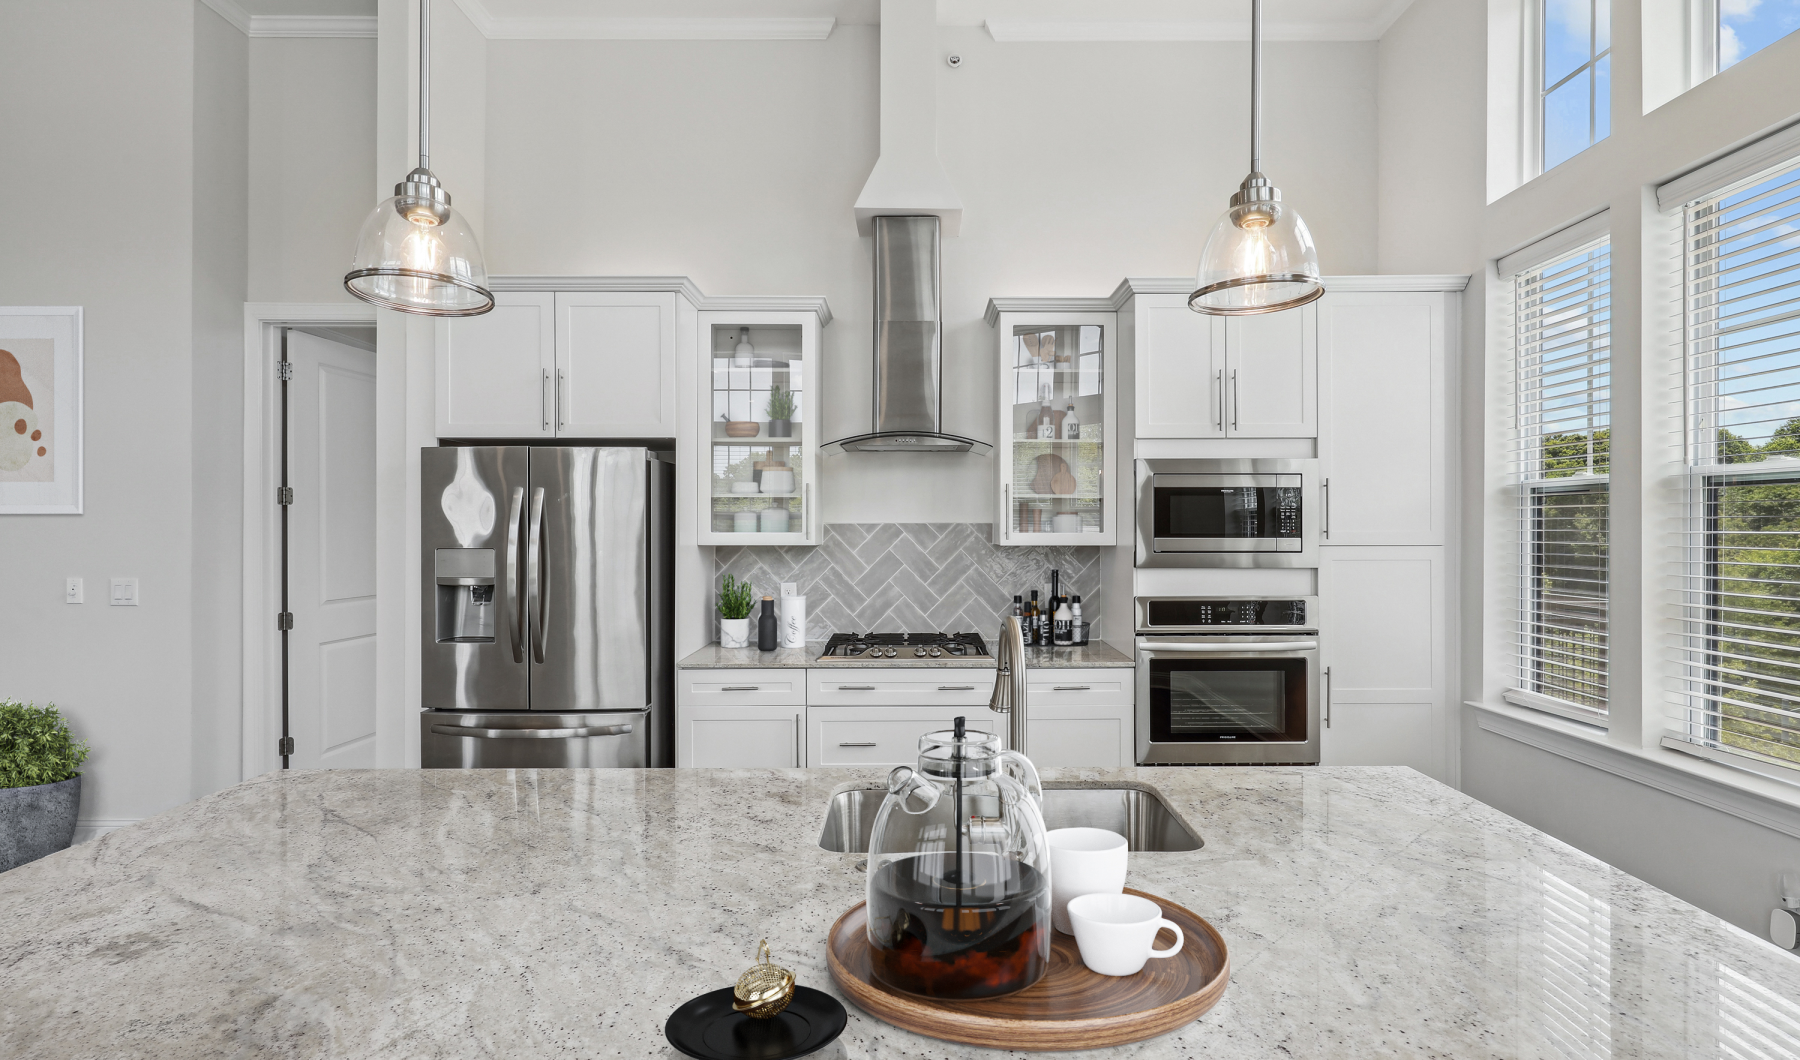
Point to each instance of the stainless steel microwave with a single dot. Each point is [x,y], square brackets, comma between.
[1228,513]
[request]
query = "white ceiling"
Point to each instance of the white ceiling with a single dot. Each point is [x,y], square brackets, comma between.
[1007,19]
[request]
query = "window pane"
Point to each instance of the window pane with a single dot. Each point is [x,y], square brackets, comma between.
[1567,24]
[1567,582]
[1602,98]
[1755,618]
[1566,121]
[1749,26]
[1602,26]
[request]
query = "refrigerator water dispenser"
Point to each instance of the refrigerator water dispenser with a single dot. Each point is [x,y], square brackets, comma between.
[465,596]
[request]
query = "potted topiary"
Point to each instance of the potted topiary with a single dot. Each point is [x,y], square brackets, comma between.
[735,599]
[40,790]
[781,411]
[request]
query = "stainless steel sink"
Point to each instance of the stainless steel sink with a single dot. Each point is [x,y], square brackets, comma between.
[1136,812]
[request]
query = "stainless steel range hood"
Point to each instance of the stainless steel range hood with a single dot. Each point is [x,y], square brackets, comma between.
[908,346]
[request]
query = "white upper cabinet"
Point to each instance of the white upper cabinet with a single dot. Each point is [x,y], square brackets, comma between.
[563,365]
[1056,454]
[615,365]
[495,371]
[1180,370]
[1203,376]
[1383,387]
[1272,375]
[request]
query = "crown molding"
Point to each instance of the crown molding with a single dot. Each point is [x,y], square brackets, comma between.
[681,285]
[607,28]
[291,25]
[1029,30]
[996,306]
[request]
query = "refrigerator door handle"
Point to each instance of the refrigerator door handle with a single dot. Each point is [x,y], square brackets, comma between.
[531,734]
[536,587]
[515,625]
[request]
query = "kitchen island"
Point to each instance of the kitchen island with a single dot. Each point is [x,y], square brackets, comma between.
[402,913]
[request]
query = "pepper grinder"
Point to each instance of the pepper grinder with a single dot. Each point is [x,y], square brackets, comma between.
[768,630]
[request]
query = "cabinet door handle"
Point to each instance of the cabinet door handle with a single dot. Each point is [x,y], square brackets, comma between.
[1234,399]
[857,743]
[1006,516]
[1219,385]
[1070,688]
[806,517]
[1325,497]
[856,688]
[741,688]
[956,688]
[1328,697]
[562,419]
[544,399]
[799,758]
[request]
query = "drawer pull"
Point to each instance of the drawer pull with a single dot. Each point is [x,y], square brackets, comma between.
[741,688]
[856,688]
[956,688]
[857,743]
[1070,688]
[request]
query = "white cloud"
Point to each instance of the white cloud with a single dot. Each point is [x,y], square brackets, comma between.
[1738,8]
[1730,49]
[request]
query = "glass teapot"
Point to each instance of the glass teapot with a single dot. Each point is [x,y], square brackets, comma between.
[959,871]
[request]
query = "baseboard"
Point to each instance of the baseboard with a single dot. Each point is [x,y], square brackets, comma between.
[87,828]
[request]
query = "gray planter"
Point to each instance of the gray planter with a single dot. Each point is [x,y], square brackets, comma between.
[37,820]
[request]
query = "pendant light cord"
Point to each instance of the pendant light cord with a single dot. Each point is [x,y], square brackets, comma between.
[425,82]
[1255,85]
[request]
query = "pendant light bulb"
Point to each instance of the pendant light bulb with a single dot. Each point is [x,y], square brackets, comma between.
[415,253]
[1260,256]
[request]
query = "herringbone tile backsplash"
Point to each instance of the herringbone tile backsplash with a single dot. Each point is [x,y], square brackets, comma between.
[911,577]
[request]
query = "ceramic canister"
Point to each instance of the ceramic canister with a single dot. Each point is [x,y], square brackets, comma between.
[743,522]
[774,520]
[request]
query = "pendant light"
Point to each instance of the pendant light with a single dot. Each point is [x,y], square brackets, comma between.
[1260,257]
[415,253]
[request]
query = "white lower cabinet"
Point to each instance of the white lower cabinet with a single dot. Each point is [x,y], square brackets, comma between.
[881,736]
[1385,643]
[739,737]
[1081,717]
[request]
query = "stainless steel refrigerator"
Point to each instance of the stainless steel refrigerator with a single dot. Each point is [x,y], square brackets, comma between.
[548,602]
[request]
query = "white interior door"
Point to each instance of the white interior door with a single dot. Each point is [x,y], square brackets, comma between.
[331,554]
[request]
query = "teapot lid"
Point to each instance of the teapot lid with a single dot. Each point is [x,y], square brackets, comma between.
[959,752]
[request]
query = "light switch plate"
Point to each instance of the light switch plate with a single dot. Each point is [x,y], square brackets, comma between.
[72,593]
[124,592]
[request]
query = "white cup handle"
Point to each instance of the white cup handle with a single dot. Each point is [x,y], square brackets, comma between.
[1180,940]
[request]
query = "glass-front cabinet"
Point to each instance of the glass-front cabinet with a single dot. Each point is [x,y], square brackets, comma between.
[1056,449]
[759,376]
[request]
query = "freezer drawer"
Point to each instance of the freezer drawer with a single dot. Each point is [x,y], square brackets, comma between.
[534,740]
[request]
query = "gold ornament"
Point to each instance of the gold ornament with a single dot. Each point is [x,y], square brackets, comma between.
[764,990]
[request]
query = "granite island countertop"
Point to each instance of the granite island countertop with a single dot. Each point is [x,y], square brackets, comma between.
[1098,654]
[566,913]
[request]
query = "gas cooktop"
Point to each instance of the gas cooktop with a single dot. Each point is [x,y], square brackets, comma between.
[902,647]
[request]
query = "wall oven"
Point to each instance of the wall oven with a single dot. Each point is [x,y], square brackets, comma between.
[1227,513]
[1227,680]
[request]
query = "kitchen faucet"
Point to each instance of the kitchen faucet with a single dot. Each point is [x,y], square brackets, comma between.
[1009,682]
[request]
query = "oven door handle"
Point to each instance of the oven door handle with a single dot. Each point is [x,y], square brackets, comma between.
[1176,646]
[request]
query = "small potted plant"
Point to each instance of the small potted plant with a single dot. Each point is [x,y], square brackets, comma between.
[40,790]
[735,600]
[781,411]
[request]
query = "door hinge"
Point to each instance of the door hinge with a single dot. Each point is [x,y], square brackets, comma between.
[284,746]
[284,494]
[284,371]
[284,621]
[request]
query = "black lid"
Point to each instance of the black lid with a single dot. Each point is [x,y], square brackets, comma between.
[1016,599]
[1075,599]
[1034,594]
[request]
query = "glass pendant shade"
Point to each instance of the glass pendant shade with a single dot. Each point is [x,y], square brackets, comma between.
[1259,259]
[417,254]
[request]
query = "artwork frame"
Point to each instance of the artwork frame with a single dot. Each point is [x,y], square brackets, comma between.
[41,410]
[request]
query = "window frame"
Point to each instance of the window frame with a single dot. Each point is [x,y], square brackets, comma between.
[1535,93]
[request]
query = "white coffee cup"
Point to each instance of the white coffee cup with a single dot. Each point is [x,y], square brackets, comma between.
[1115,932]
[1083,861]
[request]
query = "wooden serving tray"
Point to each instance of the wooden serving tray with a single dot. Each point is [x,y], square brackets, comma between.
[1069,1008]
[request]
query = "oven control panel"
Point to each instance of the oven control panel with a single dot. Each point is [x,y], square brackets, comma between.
[1206,614]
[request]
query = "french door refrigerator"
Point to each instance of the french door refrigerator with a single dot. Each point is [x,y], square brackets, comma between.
[548,596]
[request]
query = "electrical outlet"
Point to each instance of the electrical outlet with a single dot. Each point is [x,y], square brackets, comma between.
[72,591]
[124,592]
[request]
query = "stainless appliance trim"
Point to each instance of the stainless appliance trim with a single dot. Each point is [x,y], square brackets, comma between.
[531,734]
[1227,552]
[515,626]
[1239,645]
[535,739]
[1146,628]
[534,579]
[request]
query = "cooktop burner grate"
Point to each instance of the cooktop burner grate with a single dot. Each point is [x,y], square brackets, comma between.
[904,646]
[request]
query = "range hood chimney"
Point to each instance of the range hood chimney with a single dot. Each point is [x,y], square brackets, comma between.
[908,179]
[907,204]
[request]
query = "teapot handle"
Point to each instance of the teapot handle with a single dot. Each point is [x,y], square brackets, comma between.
[1020,769]
[903,782]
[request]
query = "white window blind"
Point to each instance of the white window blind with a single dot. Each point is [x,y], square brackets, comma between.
[1740,652]
[1559,463]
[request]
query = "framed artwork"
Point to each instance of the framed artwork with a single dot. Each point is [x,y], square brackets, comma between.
[40,410]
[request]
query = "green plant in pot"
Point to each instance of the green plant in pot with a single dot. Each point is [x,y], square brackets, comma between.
[40,790]
[735,600]
[781,411]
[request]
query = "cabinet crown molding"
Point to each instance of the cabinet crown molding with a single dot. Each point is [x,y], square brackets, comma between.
[682,285]
[1132,286]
